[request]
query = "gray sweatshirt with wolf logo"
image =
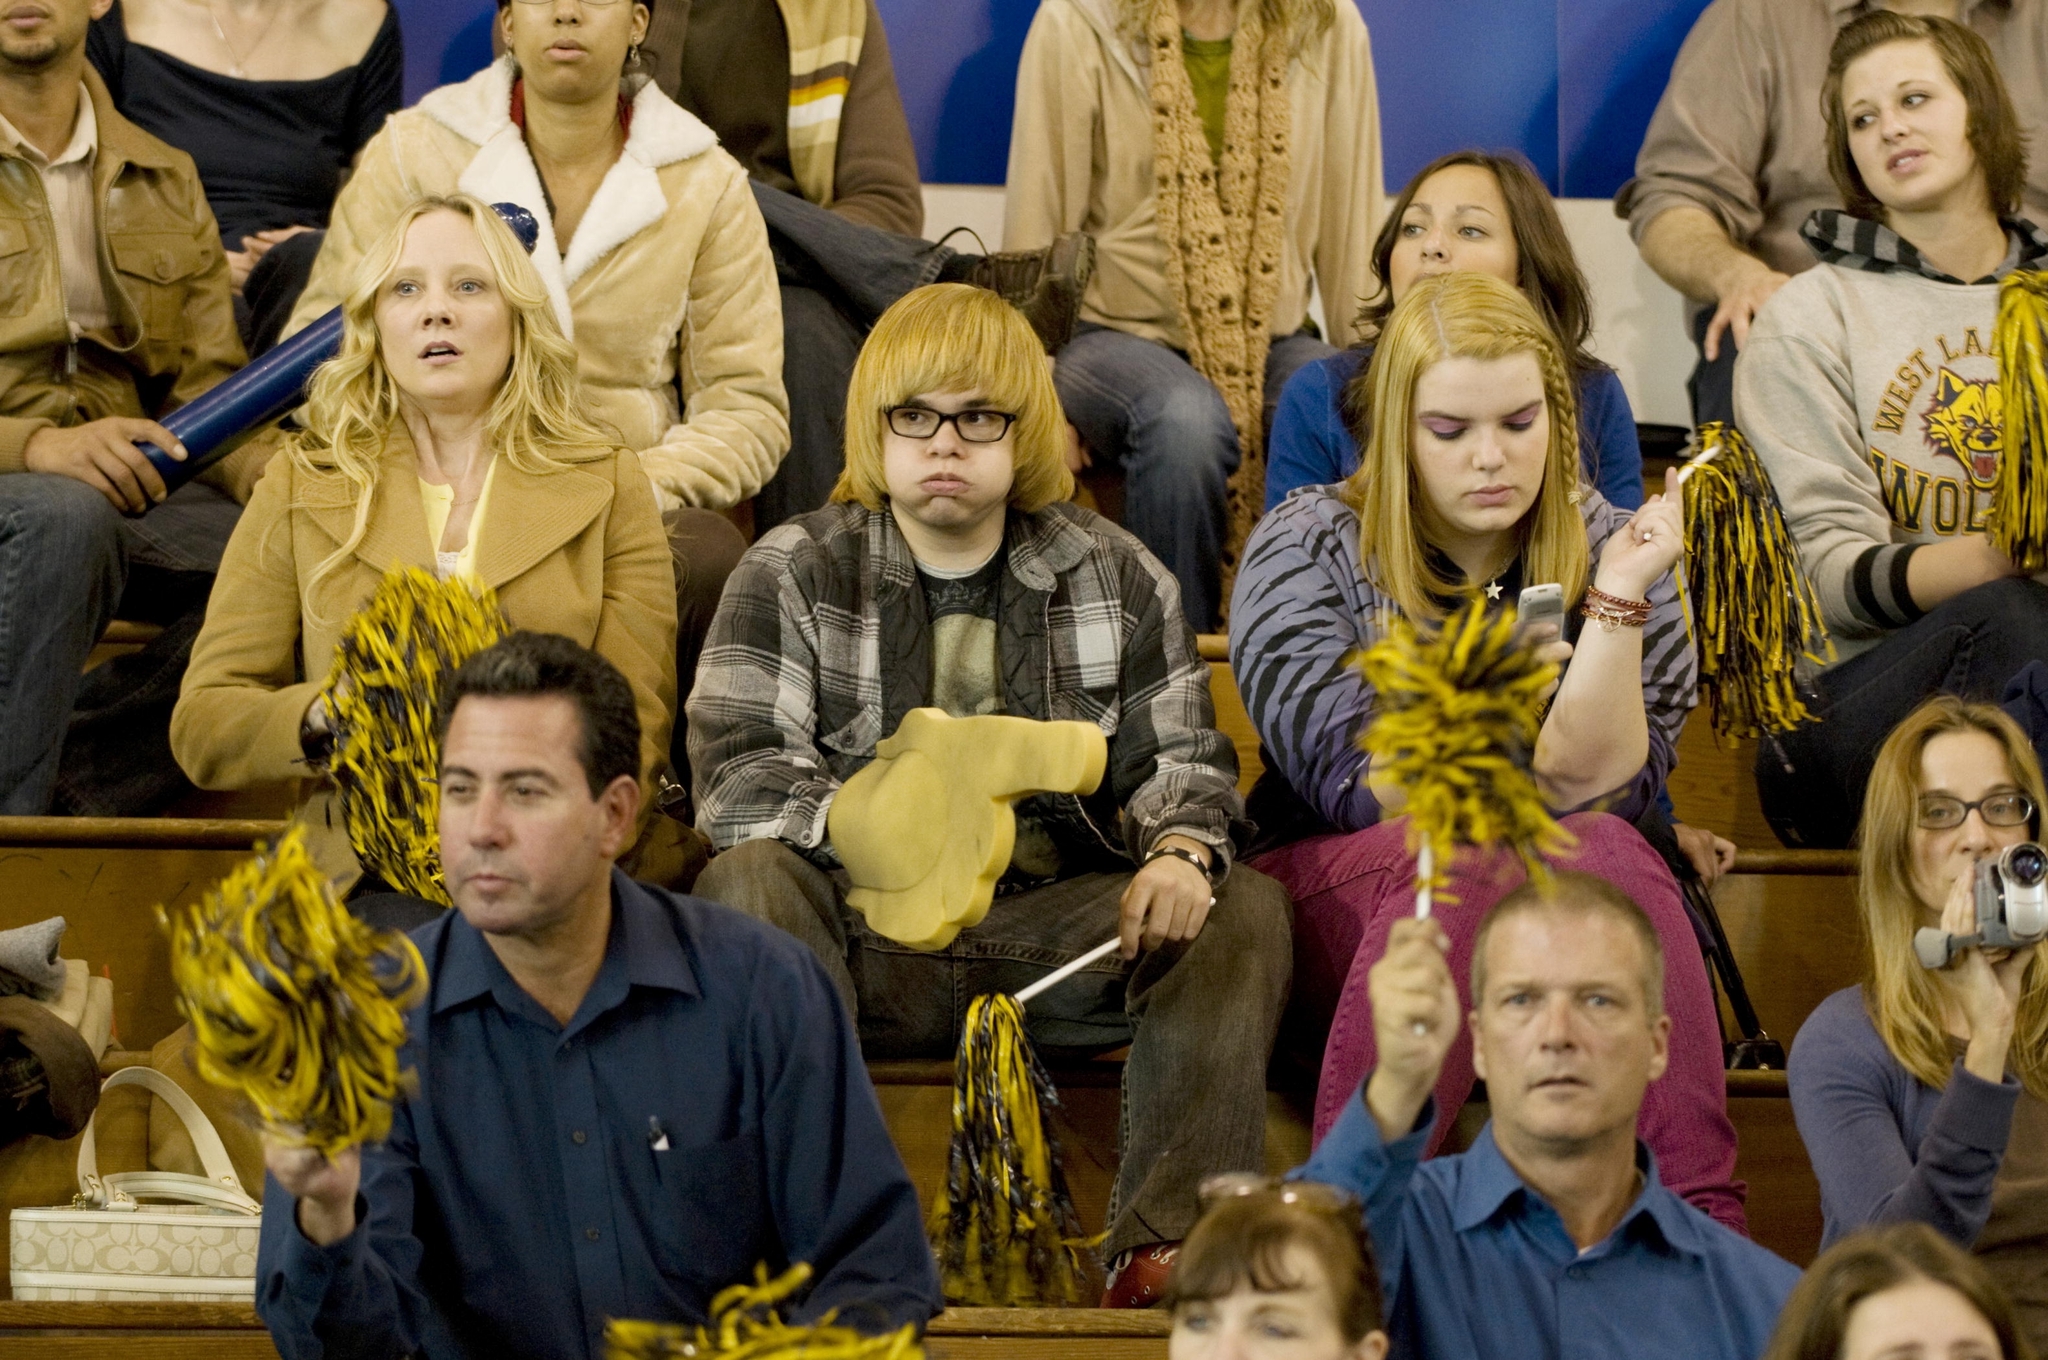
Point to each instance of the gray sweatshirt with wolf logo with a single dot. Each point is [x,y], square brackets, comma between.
[1869,388]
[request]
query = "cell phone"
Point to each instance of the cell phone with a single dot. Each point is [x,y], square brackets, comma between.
[1537,606]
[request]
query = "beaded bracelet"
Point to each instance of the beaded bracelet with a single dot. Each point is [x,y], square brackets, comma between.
[1612,612]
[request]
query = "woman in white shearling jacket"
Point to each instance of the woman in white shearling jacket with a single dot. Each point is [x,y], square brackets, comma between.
[665,283]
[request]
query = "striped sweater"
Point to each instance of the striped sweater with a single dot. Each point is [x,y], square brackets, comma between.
[1302,607]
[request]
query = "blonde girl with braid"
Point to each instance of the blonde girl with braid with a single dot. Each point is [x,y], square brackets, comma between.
[1469,484]
[449,434]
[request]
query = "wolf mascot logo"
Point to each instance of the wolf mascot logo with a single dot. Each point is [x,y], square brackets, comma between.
[1963,421]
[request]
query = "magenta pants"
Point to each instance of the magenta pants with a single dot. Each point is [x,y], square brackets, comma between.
[1349,890]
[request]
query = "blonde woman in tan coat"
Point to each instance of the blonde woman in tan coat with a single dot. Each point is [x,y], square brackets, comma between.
[652,250]
[1225,156]
[448,434]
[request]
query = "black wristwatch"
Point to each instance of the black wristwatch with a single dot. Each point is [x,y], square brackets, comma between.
[318,747]
[1191,857]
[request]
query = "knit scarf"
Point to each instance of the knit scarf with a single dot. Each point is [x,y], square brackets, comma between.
[1222,232]
[825,41]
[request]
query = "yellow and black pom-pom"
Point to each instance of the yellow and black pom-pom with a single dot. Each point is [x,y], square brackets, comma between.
[382,694]
[2018,522]
[1006,1232]
[1755,616]
[744,1326]
[1459,710]
[294,1002]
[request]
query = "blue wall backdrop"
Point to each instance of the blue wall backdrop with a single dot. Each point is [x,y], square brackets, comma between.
[1570,83]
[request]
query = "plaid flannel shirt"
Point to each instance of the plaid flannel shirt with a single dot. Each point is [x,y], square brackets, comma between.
[821,645]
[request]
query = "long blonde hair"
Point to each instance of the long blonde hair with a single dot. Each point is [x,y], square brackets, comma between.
[1304,21]
[1461,315]
[1904,999]
[352,403]
[951,337]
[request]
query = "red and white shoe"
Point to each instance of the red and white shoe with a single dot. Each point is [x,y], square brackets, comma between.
[1138,1277]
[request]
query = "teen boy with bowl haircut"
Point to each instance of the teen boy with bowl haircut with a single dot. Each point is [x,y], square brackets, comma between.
[951,571]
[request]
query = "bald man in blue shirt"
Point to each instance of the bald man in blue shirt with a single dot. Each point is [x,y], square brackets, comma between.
[625,1098]
[1551,1237]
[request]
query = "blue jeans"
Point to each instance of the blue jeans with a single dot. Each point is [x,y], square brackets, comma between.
[66,559]
[836,277]
[1199,1016]
[1143,409]
[1811,781]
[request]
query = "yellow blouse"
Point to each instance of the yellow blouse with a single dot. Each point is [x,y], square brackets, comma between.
[438,501]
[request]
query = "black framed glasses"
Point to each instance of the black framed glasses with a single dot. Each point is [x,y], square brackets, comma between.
[1940,812]
[975,426]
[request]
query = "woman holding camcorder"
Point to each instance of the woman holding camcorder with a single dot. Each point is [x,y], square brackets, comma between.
[1923,1093]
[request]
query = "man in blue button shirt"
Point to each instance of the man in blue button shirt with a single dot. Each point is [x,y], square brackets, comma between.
[1551,1236]
[625,1098]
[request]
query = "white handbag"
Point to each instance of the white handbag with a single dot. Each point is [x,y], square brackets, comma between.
[200,1247]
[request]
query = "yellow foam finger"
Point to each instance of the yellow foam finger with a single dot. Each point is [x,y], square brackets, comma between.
[927,828]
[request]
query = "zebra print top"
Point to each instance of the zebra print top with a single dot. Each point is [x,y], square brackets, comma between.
[1302,605]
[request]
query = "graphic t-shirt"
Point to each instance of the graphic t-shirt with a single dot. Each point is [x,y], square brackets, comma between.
[962,609]
[967,680]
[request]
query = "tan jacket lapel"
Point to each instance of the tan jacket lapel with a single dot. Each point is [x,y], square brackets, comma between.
[526,518]
[397,530]
[530,517]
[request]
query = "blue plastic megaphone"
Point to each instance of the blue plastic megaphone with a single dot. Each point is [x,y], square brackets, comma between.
[211,425]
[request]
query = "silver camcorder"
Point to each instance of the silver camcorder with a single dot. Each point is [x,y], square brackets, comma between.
[2012,907]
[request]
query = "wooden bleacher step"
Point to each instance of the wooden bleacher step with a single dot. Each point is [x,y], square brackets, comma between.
[216,1331]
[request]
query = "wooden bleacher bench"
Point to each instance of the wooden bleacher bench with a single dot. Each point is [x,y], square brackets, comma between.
[129,633]
[223,1331]
[137,833]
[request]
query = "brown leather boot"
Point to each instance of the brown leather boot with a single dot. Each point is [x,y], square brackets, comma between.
[1046,285]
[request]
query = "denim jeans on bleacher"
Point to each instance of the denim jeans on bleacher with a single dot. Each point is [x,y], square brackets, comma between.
[1811,780]
[1143,409]
[1200,1016]
[67,558]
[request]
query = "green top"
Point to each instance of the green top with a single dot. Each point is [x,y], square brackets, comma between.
[1208,64]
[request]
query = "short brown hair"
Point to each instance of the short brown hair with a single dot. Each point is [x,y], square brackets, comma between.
[1993,127]
[1570,890]
[953,337]
[1243,1240]
[1864,1264]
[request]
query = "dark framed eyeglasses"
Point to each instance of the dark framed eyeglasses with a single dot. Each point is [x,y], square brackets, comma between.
[1234,1184]
[975,426]
[1940,812]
